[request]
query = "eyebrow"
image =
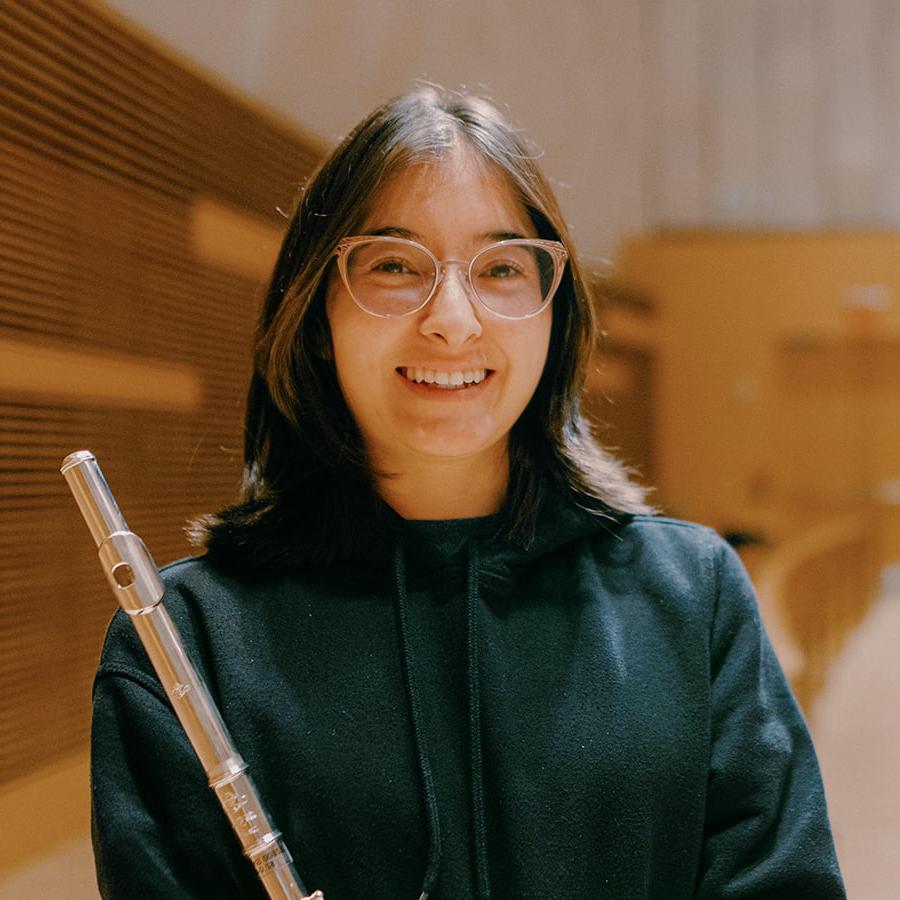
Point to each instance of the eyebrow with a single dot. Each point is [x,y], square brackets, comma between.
[394,231]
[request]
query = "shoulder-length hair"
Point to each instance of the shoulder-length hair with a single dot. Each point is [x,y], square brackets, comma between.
[307,475]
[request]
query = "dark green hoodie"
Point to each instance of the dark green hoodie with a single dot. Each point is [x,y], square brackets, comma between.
[598,716]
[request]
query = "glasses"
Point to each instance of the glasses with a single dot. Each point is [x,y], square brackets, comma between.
[391,277]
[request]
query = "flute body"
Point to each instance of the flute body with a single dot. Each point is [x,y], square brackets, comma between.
[134,579]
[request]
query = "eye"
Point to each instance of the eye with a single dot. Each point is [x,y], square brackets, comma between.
[394,266]
[505,263]
[501,269]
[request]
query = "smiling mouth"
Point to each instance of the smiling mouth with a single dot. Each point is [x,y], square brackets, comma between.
[456,379]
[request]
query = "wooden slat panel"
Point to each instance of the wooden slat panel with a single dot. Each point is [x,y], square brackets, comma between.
[734,132]
[37,370]
[671,63]
[850,136]
[791,124]
[107,149]
[770,114]
[192,107]
[886,62]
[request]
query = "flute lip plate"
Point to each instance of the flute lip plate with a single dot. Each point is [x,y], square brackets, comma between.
[74,459]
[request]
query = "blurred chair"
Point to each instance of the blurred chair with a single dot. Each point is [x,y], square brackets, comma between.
[814,589]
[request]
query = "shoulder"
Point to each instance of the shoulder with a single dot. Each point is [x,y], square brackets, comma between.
[679,562]
[199,578]
[666,533]
[196,591]
[660,541]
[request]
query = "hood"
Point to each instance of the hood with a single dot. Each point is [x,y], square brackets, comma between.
[291,537]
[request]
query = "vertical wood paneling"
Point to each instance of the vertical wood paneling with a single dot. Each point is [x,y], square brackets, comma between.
[599,170]
[771,113]
[745,113]
[733,174]
[672,128]
[791,125]
[851,138]
[886,60]
[606,166]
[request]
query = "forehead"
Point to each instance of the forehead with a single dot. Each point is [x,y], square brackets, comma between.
[461,196]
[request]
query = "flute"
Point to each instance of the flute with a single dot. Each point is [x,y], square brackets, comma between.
[133,576]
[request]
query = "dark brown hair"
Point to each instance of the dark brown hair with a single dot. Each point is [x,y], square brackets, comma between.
[306,470]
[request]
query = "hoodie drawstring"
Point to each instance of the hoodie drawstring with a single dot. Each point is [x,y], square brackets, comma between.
[476,771]
[412,697]
[479,828]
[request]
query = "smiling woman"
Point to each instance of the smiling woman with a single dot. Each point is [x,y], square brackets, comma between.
[460,654]
[438,388]
[411,172]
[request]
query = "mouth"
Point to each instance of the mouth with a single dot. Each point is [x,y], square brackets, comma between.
[449,380]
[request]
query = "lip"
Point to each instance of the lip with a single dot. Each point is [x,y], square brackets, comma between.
[448,365]
[425,389]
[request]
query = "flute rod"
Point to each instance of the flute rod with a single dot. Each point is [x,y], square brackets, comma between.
[136,584]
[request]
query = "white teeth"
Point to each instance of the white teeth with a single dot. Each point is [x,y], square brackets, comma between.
[455,378]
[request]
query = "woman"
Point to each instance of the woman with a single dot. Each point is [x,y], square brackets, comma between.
[460,655]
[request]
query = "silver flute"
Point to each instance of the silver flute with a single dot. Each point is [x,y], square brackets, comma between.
[134,579]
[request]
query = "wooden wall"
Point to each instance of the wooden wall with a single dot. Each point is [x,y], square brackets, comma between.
[652,113]
[137,223]
[123,324]
[778,376]
[771,113]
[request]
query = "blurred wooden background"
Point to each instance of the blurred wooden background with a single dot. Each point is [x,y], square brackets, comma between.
[751,373]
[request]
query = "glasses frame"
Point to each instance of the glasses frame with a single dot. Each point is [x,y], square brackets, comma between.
[556,250]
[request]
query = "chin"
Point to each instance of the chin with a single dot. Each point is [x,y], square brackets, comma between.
[454,444]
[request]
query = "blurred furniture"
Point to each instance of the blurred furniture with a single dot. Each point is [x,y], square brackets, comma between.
[813,590]
[778,377]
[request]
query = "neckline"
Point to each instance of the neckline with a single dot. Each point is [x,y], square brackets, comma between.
[447,538]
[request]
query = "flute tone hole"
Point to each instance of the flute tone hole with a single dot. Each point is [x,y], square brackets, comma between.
[123,575]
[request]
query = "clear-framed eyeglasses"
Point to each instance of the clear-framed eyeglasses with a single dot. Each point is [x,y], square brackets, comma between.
[391,277]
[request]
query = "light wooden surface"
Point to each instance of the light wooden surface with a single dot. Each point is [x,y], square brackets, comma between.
[856,726]
[650,113]
[50,808]
[58,374]
[67,870]
[775,406]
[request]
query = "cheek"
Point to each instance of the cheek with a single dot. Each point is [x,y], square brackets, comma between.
[357,340]
[345,345]
[534,348]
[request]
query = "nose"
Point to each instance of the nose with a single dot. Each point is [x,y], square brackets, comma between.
[451,315]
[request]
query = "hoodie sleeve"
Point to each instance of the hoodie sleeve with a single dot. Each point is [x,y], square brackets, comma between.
[157,829]
[767,833]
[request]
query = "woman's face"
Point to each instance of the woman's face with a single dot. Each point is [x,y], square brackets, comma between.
[454,207]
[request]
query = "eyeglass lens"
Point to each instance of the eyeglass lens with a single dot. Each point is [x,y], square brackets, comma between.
[390,277]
